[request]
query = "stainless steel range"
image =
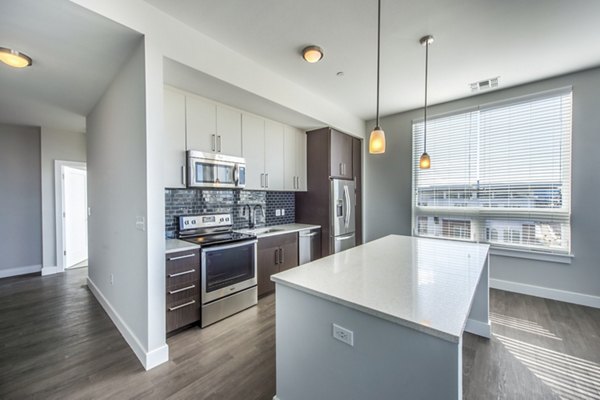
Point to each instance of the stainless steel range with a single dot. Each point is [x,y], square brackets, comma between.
[227,265]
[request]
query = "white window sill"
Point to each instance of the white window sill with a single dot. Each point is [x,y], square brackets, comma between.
[532,255]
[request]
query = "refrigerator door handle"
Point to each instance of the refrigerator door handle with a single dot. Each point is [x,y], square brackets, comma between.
[340,238]
[347,210]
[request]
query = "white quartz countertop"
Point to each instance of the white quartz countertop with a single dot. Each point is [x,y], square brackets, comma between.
[175,245]
[278,229]
[424,284]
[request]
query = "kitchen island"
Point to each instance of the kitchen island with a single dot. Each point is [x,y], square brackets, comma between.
[399,306]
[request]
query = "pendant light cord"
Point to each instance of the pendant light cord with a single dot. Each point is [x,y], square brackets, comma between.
[425,110]
[378,51]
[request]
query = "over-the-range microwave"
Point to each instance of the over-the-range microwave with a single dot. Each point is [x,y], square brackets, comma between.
[211,170]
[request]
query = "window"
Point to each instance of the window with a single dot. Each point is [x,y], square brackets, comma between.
[500,173]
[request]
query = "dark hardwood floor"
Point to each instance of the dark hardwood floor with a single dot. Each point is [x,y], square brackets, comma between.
[57,343]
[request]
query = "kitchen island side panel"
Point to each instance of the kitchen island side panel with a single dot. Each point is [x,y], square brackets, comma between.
[387,360]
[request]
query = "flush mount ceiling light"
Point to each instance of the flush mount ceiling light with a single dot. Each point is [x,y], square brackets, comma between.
[377,138]
[425,161]
[312,54]
[14,58]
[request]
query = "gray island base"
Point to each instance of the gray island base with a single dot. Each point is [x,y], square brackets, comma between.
[402,303]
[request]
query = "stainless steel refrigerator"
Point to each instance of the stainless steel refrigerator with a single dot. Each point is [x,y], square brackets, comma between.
[342,215]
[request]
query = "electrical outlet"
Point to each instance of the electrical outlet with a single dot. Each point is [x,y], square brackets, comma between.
[278,213]
[283,212]
[343,335]
[112,279]
[140,223]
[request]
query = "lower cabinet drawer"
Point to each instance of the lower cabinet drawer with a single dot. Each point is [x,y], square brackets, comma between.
[183,312]
[182,293]
[182,278]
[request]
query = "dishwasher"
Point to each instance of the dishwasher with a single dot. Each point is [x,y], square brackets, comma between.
[309,245]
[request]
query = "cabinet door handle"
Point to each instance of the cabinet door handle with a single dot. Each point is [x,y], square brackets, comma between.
[219,143]
[182,273]
[213,142]
[281,256]
[262,180]
[183,175]
[182,289]
[189,303]
[296,182]
[266,180]
[276,257]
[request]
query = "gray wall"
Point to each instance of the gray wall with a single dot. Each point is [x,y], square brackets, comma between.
[20,200]
[56,145]
[388,185]
[116,165]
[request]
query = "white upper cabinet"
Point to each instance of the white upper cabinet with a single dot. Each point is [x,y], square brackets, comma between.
[229,131]
[273,155]
[201,120]
[213,127]
[295,159]
[174,144]
[253,145]
[262,141]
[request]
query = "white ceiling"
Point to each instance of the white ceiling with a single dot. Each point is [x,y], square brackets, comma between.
[520,41]
[75,55]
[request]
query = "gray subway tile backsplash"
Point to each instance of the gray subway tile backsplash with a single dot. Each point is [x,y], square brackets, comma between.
[208,201]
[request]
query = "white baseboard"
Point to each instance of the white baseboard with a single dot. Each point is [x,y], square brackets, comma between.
[479,328]
[51,270]
[547,293]
[148,359]
[30,269]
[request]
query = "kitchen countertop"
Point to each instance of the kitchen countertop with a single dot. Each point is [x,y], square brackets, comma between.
[424,284]
[273,230]
[175,245]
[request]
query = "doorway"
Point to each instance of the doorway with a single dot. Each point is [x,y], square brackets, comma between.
[71,215]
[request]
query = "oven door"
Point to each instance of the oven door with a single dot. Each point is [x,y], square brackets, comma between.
[227,269]
[211,173]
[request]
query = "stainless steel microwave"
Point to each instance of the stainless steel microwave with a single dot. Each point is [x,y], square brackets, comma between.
[215,170]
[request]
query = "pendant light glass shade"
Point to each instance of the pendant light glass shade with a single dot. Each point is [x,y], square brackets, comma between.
[14,58]
[377,138]
[377,141]
[424,162]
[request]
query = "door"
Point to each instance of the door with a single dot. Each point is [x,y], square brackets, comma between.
[273,155]
[201,124]
[253,148]
[75,216]
[341,155]
[174,144]
[342,207]
[344,242]
[229,131]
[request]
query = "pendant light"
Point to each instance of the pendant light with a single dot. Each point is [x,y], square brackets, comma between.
[377,138]
[425,161]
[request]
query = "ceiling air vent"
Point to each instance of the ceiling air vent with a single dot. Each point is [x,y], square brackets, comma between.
[485,84]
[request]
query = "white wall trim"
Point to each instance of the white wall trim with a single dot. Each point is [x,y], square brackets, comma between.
[148,359]
[479,328]
[547,293]
[59,206]
[51,270]
[30,269]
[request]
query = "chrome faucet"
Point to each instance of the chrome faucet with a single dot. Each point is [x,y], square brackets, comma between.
[261,211]
[250,222]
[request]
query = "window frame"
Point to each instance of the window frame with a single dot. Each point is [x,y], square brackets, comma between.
[477,215]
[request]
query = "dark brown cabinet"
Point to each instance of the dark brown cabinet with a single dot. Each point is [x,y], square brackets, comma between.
[275,254]
[330,154]
[183,289]
[341,155]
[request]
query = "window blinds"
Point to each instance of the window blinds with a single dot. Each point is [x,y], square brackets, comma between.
[500,174]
